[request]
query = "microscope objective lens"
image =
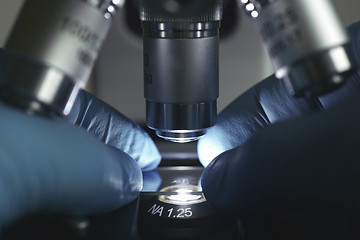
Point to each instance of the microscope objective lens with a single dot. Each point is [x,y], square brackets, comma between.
[181,69]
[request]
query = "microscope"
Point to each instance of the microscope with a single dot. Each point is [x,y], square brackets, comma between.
[53,46]
[181,57]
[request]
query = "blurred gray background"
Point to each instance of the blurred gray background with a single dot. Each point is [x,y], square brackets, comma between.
[117,76]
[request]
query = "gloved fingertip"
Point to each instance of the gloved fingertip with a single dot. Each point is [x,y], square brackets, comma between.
[114,129]
[210,146]
[152,165]
[152,181]
[213,179]
[105,179]
[125,176]
[150,156]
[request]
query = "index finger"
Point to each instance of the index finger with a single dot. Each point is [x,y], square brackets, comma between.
[114,129]
[266,103]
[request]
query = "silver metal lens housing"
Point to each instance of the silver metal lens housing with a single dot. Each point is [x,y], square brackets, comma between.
[307,44]
[43,73]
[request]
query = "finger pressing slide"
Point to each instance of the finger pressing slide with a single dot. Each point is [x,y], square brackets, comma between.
[114,129]
[266,103]
[304,164]
[49,166]
[269,102]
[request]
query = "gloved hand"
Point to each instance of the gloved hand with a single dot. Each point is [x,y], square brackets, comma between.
[278,153]
[50,166]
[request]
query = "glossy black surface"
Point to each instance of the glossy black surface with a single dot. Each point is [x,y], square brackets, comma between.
[139,221]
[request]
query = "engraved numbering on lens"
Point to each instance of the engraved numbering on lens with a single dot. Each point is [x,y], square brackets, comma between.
[146,60]
[173,212]
[281,22]
[285,23]
[81,31]
[148,79]
[181,212]
[85,57]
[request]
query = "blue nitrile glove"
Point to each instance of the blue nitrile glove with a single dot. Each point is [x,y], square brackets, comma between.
[284,153]
[50,166]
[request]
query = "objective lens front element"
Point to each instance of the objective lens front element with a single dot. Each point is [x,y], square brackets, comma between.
[180,136]
[182,195]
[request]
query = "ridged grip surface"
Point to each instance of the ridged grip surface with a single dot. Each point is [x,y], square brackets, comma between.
[191,11]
